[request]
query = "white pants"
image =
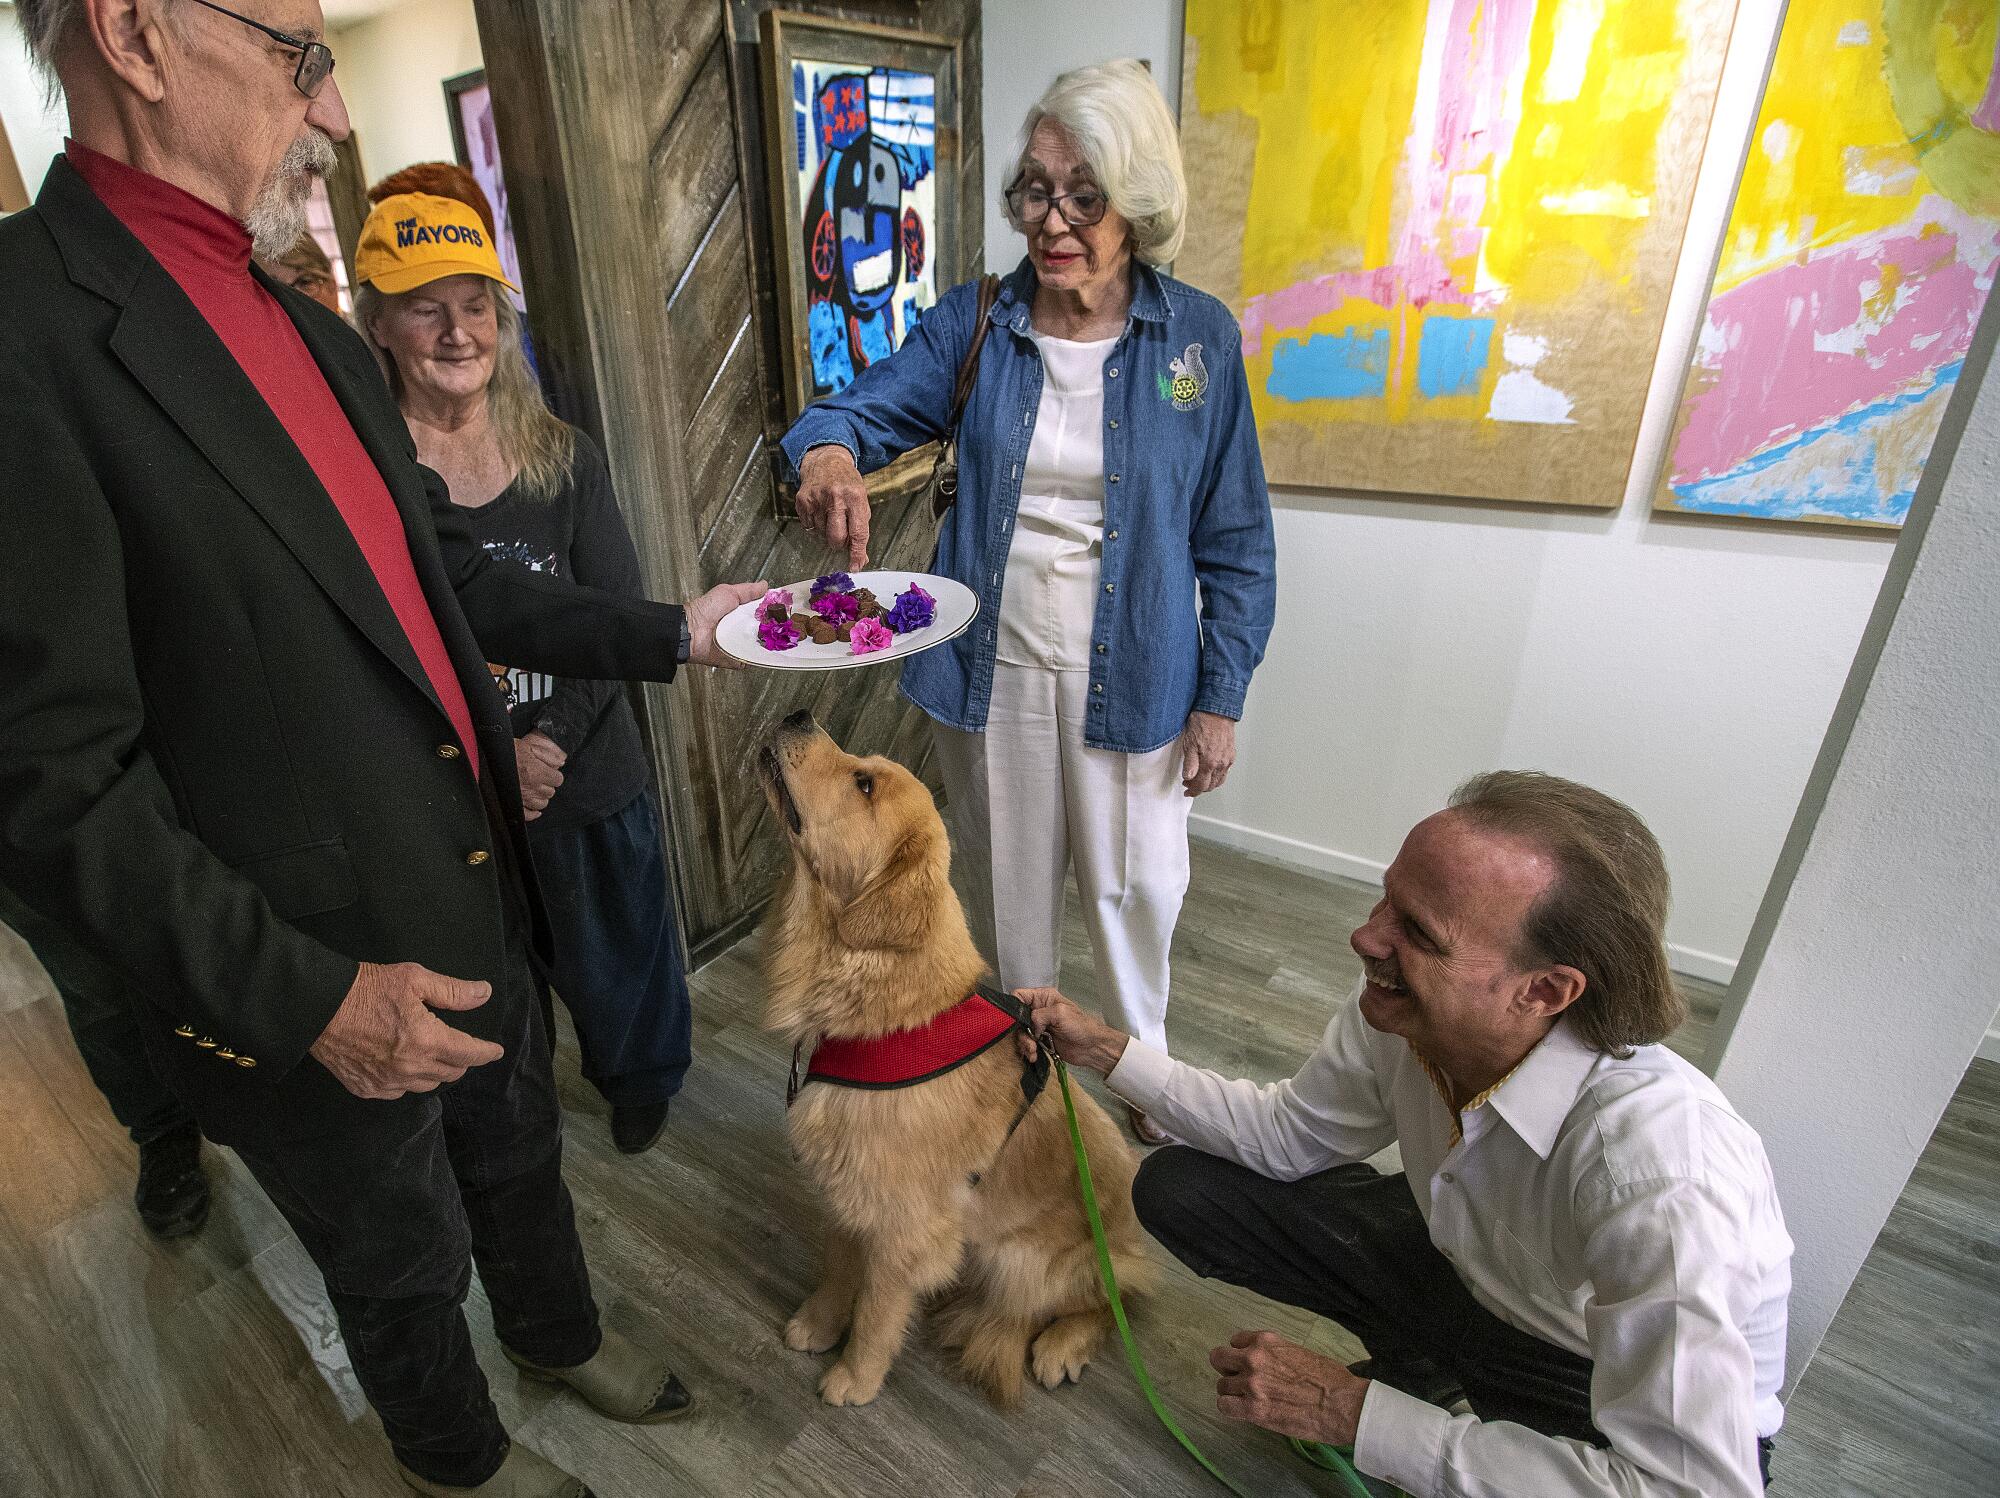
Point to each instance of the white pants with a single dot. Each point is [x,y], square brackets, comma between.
[1027,800]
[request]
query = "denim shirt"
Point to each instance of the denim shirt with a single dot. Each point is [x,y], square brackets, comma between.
[1187,583]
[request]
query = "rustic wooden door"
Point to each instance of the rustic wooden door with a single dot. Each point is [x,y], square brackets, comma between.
[637,188]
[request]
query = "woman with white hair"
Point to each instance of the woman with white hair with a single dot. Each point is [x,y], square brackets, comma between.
[433,302]
[1113,520]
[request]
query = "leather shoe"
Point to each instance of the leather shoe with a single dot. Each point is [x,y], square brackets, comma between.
[635,1129]
[623,1381]
[524,1473]
[172,1196]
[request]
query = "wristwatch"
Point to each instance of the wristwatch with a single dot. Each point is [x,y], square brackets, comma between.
[686,647]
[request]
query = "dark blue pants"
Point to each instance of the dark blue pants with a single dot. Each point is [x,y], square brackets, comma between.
[102,1013]
[618,953]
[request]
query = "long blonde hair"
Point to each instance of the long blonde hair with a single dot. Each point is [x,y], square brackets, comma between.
[538,444]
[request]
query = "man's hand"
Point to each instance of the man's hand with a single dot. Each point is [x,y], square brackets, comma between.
[1208,749]
[383,1040]
[1080,1039]
[1277,1384]
[538,759]
[708,611]
[833,501]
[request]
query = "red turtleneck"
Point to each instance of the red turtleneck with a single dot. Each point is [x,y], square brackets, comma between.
[208,255]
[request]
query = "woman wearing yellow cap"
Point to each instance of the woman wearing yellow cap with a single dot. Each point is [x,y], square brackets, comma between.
[433,302]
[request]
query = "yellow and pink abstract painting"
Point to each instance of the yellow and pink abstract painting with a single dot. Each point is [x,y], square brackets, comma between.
[1859,253]
[1448,228]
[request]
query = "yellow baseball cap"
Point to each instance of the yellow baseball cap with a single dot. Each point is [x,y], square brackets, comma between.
[415,238]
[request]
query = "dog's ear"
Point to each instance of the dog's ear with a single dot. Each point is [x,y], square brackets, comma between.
[894,909]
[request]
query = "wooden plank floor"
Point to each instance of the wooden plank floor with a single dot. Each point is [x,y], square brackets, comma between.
[211,1366]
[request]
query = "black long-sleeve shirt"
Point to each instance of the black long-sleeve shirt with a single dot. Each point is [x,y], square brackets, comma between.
[576,533]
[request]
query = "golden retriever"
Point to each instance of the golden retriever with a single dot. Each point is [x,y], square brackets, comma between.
[927,1193]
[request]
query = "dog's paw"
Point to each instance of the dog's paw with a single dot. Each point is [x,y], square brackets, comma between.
[804,1334]
[1055,1366]
[842,1386]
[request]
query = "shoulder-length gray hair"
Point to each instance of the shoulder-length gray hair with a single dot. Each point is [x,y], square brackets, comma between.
[540,445]
[1119,121]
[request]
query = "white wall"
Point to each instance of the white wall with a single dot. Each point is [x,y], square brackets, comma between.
[34,129]
[1687,667]
[391,71]
[1898,826]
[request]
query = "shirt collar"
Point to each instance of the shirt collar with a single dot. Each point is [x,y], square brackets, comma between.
[1542,1090]
[1017,296]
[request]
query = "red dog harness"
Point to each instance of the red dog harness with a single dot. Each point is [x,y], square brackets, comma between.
[903,1058]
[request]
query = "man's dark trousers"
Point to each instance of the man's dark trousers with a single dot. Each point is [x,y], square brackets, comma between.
[1350,1244]
[104,1020]
[472,1168]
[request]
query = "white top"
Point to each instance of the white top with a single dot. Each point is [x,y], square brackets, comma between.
[1049,595]
[1620,1209]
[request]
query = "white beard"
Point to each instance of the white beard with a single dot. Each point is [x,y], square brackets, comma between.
[278,216]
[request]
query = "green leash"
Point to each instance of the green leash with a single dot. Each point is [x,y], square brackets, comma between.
[1328,1458]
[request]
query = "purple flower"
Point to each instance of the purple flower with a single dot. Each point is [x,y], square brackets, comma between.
[832,582]
[867,637]
[838,608]
[778,634]
[914,609]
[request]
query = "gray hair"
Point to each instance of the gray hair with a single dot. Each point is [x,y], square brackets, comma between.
[1118,120]
[46,24]
[539,444]
[1605,911]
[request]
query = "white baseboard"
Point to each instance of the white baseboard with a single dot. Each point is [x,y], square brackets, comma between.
[1309,856]
[1316,859]
[1989,1048]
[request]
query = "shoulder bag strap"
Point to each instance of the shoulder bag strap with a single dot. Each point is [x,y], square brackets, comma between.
[944,472]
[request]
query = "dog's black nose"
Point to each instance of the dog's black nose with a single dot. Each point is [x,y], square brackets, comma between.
[799,721]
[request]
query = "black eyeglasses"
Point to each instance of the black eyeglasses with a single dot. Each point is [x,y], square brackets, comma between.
[1079,209]
[315,58]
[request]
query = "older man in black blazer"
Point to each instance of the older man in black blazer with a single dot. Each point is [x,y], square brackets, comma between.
[249,751]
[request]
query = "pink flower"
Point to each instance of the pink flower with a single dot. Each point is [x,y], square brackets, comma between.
[776,602]
[838,608]
[778,634]
[868,636]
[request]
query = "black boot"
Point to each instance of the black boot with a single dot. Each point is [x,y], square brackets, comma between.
[634,1129]
[173,1192]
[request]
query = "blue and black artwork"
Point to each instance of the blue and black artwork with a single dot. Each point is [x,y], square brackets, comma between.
[869,140]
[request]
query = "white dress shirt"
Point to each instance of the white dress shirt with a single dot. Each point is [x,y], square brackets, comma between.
[1049,596]
[1621,1209]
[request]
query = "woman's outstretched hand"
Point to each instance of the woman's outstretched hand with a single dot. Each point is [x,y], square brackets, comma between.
[833,501]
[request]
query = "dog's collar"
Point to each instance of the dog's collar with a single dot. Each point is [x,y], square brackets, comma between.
[903,1058]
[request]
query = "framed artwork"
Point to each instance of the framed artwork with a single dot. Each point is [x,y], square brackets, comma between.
[862,131]
[1860,251]
[1448,229]
[477,143]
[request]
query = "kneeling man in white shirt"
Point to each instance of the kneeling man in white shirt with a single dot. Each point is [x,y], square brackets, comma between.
[1585,1245]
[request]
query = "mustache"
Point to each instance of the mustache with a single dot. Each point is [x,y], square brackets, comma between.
[311,153]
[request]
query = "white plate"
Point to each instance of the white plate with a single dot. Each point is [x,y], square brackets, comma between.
[736,635]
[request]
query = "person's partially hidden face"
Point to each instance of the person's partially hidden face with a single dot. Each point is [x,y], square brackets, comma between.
[1441,948]
[442,336]
[1067,257]
[236,114]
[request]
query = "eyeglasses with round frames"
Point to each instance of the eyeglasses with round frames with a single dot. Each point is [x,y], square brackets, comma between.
[1079,209]
[315,58]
